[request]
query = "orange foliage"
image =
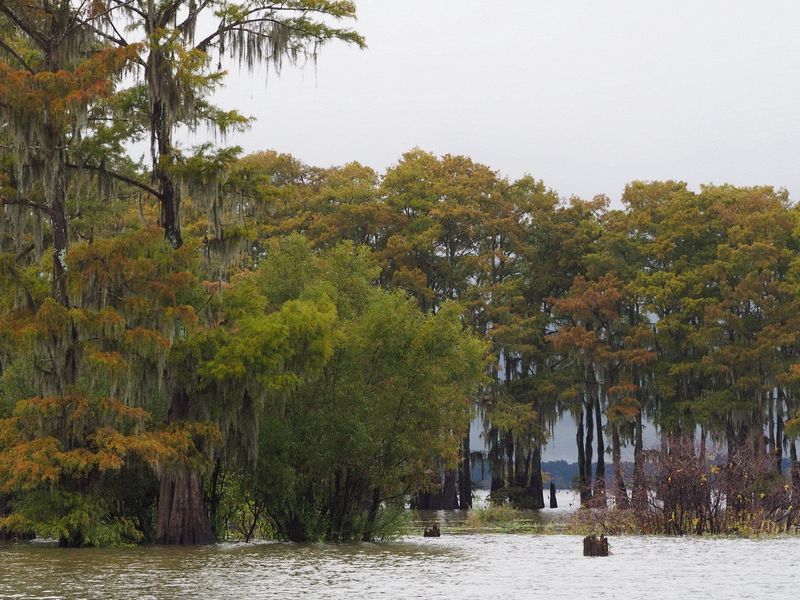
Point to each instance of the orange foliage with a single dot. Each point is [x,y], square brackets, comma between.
[55,440]
[58,93]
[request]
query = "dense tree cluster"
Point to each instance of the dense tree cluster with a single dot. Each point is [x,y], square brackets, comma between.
[678,309]
[148,393]
[201,344]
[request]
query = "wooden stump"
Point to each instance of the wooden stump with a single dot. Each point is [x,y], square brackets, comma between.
[432,531]
[553,501]
[594,546]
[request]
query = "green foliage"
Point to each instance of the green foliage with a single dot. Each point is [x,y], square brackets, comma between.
[370,422]
[16,383]
[75,519]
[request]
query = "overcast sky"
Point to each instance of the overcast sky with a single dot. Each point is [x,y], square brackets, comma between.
[584,94]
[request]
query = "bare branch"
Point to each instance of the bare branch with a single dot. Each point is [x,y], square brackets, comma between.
[16,56]
[24,202]
[32,33]
[118,176]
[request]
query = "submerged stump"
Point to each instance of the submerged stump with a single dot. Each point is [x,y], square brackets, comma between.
[432,531]
[595,546]
[553,501]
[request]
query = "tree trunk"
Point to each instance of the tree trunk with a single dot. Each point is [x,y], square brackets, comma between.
[509,448]
[703,451]
[421,501]
[449,491]
[183,517]
[770,426]
[730,439]
[65,374]
[621,500]
[600,471]
[579,439]
[465,475]
[372,516]
[639,492]
[58,220]
[215,497]
[170,194]
[521,460]
[162,151]
[496,466]
[779,434]
[794,470]
[588,449]
[170,211]
[536,486]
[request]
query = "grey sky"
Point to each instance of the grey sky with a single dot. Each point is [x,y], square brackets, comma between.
[584,94]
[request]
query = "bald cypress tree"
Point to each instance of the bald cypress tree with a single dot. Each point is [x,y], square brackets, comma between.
[182,46]
[52,67]
[185,44]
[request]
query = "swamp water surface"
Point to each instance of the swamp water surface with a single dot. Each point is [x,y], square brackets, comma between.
[465,566]
[458,566]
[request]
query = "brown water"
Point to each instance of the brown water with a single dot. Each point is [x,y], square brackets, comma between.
[458,566]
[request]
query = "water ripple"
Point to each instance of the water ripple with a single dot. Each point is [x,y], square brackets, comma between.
[464,566]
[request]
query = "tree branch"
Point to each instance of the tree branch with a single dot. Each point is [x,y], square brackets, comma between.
[192,15]
[16,56]
[23,202]
[241,25]
[169,12]
[24,252]
[128,5]
[36,36]
[120,177]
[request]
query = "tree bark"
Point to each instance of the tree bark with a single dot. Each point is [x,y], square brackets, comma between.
[730,439]
[579,439]
[66,374]
[621,500]
[588,405]
[639,492]
[215,498]
[536,485]
[161,149]
[170,194]
[372,516]
[509,449]
[58,220]
[496,464]
[449,492]
[599,493]
[521,460]
[183,517]
[465,475]
[770,426]
[55,190]
[779,434]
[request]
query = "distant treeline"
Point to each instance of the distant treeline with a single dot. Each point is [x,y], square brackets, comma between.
[560,472]
[563,474]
